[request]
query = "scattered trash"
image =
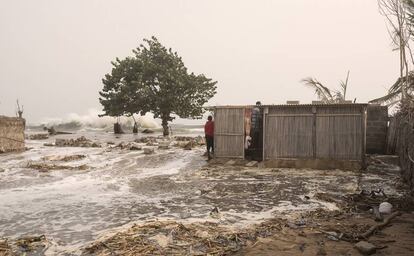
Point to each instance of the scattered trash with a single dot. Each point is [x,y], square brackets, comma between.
[385,208]
[365,247]
[333,235]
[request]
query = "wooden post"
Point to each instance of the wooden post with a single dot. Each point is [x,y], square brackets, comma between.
[265,112]
[314,132]
[364,135]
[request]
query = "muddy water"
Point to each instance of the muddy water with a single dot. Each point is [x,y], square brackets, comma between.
[73,207]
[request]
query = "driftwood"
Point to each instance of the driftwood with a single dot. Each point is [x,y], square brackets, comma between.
[376,227]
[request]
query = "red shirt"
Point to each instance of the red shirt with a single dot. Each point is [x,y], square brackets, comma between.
[209,128]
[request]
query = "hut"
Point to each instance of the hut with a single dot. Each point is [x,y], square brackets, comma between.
[321,136]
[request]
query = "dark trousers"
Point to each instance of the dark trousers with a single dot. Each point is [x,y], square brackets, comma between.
[210,144]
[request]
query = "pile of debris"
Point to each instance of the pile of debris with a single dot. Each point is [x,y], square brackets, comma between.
[79,142]
[173,238]
[46,167]
[34,245]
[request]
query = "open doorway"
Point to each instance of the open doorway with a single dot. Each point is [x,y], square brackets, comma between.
[253,123]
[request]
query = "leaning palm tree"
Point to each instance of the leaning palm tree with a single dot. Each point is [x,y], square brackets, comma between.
[325,94]
[394,94]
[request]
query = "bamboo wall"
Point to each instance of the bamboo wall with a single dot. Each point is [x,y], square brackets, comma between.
[297,131]
[315,131]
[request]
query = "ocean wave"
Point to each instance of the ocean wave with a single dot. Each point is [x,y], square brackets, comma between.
[92,121]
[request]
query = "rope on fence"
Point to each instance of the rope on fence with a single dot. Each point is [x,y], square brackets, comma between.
[20,141]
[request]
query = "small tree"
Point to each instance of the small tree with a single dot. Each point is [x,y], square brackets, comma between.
[155,80]
[325,94]
[19,111]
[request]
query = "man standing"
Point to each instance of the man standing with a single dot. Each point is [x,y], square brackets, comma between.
[209,133]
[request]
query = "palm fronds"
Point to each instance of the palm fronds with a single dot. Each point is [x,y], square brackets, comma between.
[323,93]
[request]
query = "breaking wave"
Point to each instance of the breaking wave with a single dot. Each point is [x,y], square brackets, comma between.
[91,120]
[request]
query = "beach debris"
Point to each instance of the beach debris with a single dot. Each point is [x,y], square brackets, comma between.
[38,136]
[32,243]
[173,238]
[365,247]
[149,151]
[79,142]
[67,158]
[334,236]
[48,144]
[45,167]
[379,226]
[385,208]
[5,248]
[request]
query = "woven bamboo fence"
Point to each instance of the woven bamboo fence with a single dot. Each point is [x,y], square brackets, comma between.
[316,131]
[296,131]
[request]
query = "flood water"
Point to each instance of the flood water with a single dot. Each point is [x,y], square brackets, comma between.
[74,207]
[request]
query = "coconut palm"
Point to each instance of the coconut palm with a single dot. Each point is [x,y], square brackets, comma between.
[395,92]
[325,94]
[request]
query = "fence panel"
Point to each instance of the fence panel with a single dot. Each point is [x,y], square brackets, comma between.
[229,132]
[288,133]
[340,133]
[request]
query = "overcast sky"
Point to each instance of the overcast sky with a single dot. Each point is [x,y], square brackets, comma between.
[53,54]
